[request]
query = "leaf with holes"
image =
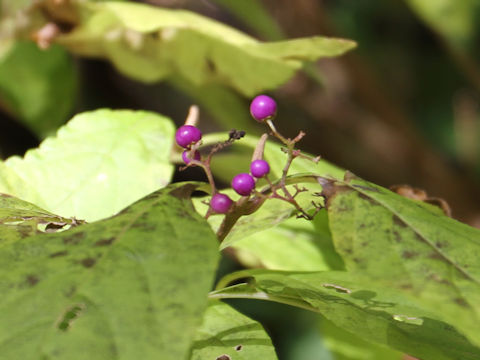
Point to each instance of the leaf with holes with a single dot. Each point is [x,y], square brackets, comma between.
[369,310]
[97,164]
[228,333]
[20,219]
[408,246]
[152,44]
[133,286]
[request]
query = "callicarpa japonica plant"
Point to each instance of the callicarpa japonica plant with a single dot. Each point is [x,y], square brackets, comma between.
[220,234]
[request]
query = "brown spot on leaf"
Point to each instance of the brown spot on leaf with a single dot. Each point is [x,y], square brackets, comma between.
[461,302]
[435,256]
[5,195]
[25,230]
[439,279]
[357,260]
[366,198]
[397,221]
[397,237]
[440,244]
[105,242]
[223,357]
[406,286]
[59,253]
[407,254]
[71,291]
[212,68]
[88,262]
[74,239]
[238,347]
[32,280]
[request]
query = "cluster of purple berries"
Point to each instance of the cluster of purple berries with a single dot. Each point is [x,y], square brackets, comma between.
[262,108]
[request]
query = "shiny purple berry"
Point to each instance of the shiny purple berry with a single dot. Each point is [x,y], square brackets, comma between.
[243,184]
[220,203]
[187,135]
[263,107]
[259,168]
[186,156]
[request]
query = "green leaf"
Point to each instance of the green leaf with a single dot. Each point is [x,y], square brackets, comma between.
[409,246]
[20,219]
[225,331]
[295,244]
[369,310]
[98,163]
[38,86]
[150,44]
[345,346]
[133,286]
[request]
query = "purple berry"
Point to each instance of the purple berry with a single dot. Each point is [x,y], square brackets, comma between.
[243,184]
[263,107]
[187,135]
[259,168]
[186,156]
[220,203]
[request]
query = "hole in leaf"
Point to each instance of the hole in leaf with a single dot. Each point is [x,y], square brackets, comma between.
[408,319]
[337,288]
[224,357]
[238,347]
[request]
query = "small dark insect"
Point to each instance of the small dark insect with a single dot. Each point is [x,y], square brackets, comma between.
[236,134]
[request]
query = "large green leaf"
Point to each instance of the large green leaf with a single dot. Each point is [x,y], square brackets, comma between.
[227,332]
[20,219]
[367,309]
[151,44]
[409,246]
[133,286]
[98,163]
[38,86]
